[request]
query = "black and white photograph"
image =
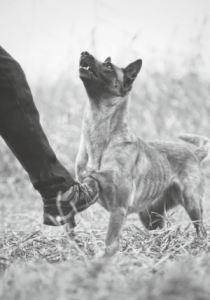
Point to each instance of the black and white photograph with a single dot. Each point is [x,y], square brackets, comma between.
[104,150]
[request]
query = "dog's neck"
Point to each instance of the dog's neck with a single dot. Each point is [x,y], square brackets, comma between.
[107,116]
[104,125]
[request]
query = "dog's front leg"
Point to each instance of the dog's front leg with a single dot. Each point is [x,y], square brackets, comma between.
[69,228]
[117,219]
[81,162]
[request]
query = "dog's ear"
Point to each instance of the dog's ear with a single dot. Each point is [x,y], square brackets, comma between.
[108,59]
[131,71]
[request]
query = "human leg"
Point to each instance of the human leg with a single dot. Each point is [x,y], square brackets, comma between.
[21,129]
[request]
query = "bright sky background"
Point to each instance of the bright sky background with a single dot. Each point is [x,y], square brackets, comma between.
[47,36]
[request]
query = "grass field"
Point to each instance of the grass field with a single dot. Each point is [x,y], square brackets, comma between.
[39,262]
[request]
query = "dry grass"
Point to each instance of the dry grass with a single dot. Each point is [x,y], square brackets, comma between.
[39,262]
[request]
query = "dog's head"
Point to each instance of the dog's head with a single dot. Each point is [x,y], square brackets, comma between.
[104,80]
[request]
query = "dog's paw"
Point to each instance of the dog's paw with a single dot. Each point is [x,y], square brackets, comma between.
[112,249]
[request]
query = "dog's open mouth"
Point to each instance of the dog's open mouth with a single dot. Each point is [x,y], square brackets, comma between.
[85,69]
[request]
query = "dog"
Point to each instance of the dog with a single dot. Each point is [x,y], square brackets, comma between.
[147,178]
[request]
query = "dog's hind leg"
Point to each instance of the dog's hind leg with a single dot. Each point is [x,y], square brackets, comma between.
[153,216]
[193,206]
[192,200]
[117,219]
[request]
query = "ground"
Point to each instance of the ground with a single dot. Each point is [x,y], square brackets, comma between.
[40,262]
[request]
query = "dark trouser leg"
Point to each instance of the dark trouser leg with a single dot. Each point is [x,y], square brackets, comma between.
[21,130]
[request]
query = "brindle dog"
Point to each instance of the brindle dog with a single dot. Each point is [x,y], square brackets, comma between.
[147,178]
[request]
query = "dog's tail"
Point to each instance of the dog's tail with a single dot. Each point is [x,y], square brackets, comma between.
[203,144]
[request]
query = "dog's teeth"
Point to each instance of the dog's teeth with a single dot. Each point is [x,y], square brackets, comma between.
[86,68]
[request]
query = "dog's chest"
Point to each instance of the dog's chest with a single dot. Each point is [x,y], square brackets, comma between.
[97,145]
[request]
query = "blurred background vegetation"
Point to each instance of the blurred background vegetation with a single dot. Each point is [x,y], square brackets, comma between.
[170,96]
[163,105]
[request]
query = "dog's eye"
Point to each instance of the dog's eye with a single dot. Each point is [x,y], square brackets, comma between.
[108,66]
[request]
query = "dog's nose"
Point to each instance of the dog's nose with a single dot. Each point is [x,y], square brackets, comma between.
[85,53]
